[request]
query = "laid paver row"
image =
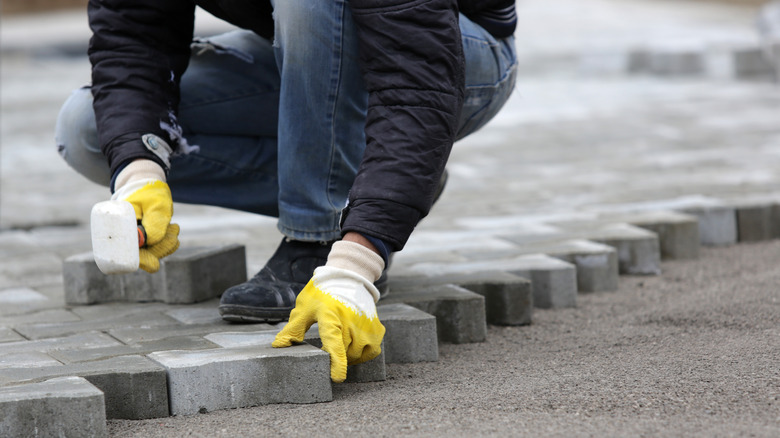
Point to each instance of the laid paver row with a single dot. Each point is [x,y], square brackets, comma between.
[181,361]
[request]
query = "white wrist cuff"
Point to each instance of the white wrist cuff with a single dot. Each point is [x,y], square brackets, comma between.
[138,170]
[356,258]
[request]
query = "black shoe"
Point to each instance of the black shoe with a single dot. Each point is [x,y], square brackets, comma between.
[270,295]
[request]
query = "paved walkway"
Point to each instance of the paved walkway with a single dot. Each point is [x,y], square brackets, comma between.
[581,136]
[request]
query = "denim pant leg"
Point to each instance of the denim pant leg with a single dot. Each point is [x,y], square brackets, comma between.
[491,70]
[229,109]
[322,112]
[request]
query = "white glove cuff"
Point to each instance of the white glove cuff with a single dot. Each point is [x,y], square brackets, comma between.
[356,258]
[341,284]
[140,169]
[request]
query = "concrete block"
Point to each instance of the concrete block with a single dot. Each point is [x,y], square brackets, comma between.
[755,222]
[508,297]
[372,371]
[638,249]
[717,224]
[42,331]
[553,281]
[460,313]
[8,335]
[146,334]
[63,407]
[76,355]
[187,276]
[27,359]
[198,274]
[410,334]
[666,61]
[81,340]
[135,388]
[225,378]
[596,263]
[752,62]
[678,233]
[44,316]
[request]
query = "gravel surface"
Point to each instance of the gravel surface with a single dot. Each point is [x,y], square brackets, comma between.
[694,352]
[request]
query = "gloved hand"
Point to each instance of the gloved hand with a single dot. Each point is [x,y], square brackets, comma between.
[142,184]
[340,298]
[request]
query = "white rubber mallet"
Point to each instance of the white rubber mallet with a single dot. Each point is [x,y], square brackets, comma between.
[116,237]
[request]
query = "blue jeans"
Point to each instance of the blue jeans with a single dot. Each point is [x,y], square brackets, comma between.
[280,126]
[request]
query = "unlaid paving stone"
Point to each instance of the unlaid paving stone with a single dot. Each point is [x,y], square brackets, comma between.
[596,263]
[373,370]
[81,340]
[410,334]
[134,386]
[91,354]
[62,407]
[146,334]
[638,249]
[553,281]
[460,313]
[678,233]
[42,331]
[717,224]
[198,274]
[226,378]
[667,61]
[755,222]
[508,297]
[8,335]
[189,275]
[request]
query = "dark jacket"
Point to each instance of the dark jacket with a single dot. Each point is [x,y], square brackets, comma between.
[412,62]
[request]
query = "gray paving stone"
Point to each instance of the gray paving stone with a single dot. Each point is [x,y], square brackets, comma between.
[553,281]
[20,295]
[134,386]
[8,335]
[196,315]
[372,371]
[410,334]
[508,297]
[189,275]
[678,233]
[63,407]
[242,339]
[596,263]
[460,313]
[198,274]
[81,340]
[27,359]
[226,378]
[76,355]
[755,222]
[717,224]
[42,331]
[667,61]
[48,315]
[638,249]
[146,334]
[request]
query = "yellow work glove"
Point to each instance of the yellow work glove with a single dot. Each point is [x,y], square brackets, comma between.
[340,298]
[142,184]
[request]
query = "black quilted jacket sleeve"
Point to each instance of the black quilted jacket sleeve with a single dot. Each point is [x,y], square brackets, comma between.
[412,61]
[138,51]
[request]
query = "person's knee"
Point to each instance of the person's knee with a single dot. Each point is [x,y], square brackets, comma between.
[76,137]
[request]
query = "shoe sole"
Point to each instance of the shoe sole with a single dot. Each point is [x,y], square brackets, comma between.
[245,314]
